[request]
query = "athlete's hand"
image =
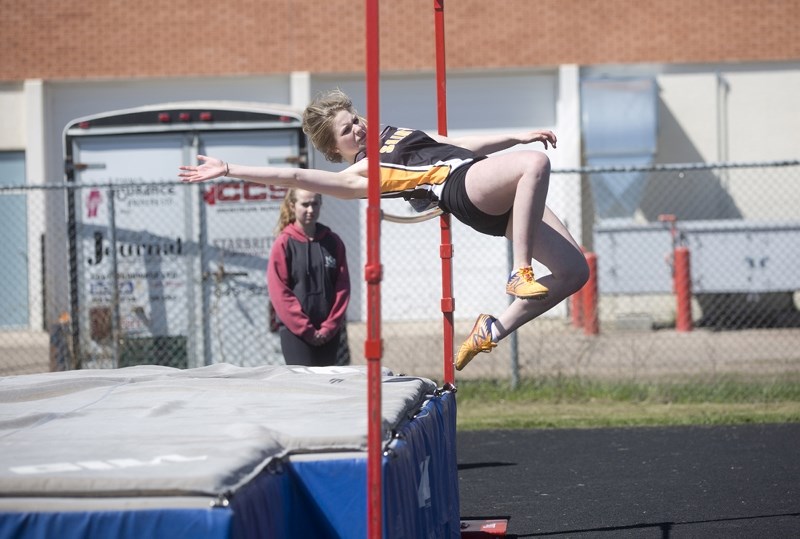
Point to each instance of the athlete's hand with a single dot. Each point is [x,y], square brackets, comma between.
[543,136]
[208,169]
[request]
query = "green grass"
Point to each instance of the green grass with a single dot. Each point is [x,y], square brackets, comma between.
[575,403]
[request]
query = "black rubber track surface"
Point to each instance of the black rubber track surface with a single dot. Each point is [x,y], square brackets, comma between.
[705,482]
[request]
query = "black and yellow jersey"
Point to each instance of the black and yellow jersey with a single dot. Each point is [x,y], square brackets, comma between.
[415,166]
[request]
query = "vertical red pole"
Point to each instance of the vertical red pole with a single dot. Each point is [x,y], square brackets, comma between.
[683,289]
[681,276]
[446,247]
[372,276]
[576,308]
[591,322]
[576,305]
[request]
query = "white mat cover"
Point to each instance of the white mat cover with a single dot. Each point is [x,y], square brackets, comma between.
[159,431]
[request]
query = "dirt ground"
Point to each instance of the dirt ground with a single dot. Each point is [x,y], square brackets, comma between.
[547,347]
[552,347]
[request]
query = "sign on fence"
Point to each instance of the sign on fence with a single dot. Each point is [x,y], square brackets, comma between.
[139,240]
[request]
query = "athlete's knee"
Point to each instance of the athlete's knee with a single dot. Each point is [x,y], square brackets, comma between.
[538,162]
[537,167]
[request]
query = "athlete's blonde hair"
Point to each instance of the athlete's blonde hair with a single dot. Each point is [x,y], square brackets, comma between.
[318,121]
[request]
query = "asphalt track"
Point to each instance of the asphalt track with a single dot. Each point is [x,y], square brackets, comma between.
[705,482]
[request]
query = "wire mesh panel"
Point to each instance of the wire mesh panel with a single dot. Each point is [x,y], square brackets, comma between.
[131,256]
[173,289]
[741,254]
[237,228]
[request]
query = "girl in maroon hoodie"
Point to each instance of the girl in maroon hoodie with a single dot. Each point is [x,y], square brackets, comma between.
[308,283]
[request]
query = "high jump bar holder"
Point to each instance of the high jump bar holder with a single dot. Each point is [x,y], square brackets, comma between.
[471,528]
[373,274]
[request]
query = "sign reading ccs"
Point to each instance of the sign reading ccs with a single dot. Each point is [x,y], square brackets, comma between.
[238,192]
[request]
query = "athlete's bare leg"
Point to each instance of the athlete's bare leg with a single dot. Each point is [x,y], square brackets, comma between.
[518,181]
[558,250]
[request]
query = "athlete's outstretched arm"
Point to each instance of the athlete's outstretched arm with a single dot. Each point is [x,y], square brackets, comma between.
[348,183]
[486,144]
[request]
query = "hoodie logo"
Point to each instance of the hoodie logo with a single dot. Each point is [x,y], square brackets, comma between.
[330,262]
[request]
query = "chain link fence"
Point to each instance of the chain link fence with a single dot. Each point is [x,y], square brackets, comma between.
[100,276]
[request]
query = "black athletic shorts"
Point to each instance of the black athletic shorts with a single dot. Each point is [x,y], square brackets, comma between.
[456,202]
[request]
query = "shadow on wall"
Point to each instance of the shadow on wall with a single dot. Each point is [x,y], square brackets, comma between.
[702,195]
[694,195]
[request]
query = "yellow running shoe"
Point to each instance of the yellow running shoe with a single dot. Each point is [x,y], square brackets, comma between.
[523,285]
[479,340]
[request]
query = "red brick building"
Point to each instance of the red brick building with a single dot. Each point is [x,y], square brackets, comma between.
[123,39]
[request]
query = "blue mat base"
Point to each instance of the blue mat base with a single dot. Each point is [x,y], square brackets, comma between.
[309,496]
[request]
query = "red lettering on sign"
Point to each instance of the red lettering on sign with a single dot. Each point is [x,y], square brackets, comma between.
[233,188]
[239,193]
[254,192]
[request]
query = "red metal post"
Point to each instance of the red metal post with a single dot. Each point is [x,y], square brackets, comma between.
[683,289]
[441,73]
[576,305]
[446,248]
[372,276]
[448,302]
[681,275]
[576,308]
[591,322]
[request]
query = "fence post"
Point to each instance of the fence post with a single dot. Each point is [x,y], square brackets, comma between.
[576,308]
[514,337]
[681,275]
[576,305]
[683,289]
[591,322]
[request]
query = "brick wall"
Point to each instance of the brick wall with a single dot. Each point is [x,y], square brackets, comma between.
[68,39]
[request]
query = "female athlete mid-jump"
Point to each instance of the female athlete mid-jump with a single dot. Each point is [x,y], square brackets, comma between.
[499,195]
